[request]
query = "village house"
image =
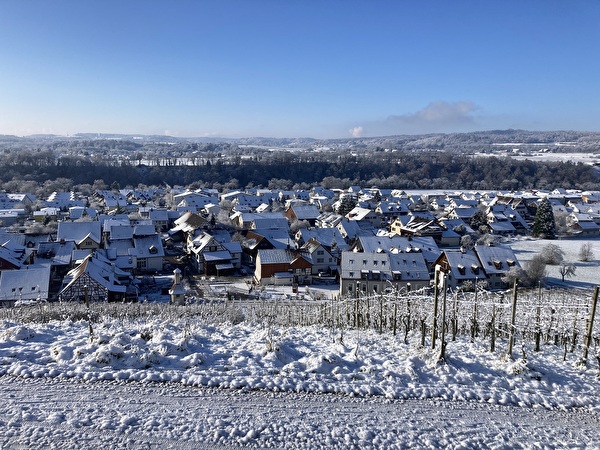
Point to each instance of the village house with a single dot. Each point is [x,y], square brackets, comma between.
[330,238]
[82,212]
[63,200]
[211,257]
[366,218]
[97,279]
[417,225]
[582,225]
[194,201]
[368,273]
[14,256]
[186,227]
[255,240]
[392,243]
[282,267]
[309,213]
[461,267]
[16,201]
[496,261]
[28,284]
[322,260]
[266,220]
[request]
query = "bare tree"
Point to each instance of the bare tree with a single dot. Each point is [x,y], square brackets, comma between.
[566,270]
[586,252]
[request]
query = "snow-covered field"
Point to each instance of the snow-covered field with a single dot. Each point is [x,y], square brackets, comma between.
[178,383]
[586,273]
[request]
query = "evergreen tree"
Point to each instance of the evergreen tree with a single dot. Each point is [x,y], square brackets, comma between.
[543,222]
[347,204]
[479,222]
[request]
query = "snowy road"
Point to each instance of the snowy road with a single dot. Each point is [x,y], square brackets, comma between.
[40,413]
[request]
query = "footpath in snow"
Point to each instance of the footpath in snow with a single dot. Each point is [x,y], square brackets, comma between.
[72,414]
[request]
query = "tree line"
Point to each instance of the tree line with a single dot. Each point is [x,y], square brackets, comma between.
[287,170]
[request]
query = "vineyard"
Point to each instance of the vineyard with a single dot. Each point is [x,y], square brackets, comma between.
[515,318]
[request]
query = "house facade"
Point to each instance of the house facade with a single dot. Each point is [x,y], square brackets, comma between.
[282,267]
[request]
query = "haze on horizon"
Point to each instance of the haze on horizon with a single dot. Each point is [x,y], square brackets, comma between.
[297,69]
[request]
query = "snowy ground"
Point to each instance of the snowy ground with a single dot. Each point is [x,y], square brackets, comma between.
[180,384]
[174,382]
[48,413]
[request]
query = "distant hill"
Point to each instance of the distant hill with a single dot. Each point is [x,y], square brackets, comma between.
[487,141]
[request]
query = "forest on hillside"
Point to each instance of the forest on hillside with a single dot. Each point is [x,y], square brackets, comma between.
[284,170]
[454,161]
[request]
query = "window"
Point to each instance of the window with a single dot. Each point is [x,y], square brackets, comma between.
[319,260]
[320,252]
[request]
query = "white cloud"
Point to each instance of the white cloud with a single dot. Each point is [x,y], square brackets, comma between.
[436,117]
[356,131]
[439,113]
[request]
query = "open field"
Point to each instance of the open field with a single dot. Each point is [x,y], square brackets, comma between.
[586,274]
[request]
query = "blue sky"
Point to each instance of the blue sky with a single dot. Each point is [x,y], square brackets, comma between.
[312,68]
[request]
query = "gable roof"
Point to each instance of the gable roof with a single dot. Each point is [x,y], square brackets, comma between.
[101,271]
[464,265]
[496,260]
[13,258]
[147,247]
[396,244]
[279,256]
[188,222]
[25,284]
[78,231]
[305,212]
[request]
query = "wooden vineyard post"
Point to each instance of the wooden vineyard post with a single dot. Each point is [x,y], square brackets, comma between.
[436,293]
[474,320]
[590,327]
[443,335]
[538,315]
[513,315]
[89,314]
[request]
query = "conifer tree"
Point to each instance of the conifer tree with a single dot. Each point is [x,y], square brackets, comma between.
[348,203]
[543,222]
